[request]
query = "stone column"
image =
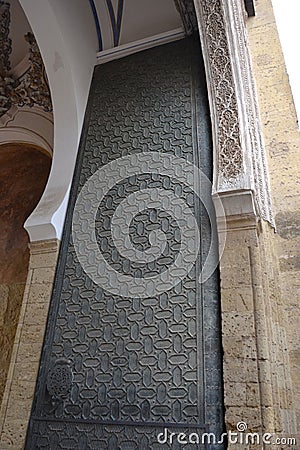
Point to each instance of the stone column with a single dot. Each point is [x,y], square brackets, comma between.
[20,385]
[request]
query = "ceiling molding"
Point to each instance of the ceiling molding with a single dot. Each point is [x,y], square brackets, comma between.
[137,46]
[97,25]
[115,21]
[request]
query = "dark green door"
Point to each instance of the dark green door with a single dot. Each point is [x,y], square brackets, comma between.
[132,349]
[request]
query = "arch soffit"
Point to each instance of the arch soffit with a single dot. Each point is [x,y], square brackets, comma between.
[69,90]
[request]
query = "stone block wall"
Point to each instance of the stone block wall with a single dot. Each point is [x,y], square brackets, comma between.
[10,302]
[21,379]
[282,141]
[23,175]
[260,267]
[257,372]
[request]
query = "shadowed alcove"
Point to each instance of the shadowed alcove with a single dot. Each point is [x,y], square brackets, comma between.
[24,172]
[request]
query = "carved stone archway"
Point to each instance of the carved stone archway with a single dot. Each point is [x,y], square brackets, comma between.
[239,161]
[240,170]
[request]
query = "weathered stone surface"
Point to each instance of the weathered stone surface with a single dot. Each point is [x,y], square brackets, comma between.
[281,261]
[23,175]
[21,378]
[288,224]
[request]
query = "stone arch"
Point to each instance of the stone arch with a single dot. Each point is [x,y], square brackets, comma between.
[69,63]
[239,160]
[28,125]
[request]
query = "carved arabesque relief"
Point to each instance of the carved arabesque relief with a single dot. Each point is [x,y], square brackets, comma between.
[230,155]
[6,82]
[255,150]
[5,41]
[240,161]
[31,88]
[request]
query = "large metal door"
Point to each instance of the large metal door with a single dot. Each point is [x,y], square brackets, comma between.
[132,348]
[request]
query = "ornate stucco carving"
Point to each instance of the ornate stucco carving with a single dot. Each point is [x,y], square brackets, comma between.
[5,41]
[32,87]
[6,82]
[230,157]
[229,170]
[239,155]
[236,15]
[229,167]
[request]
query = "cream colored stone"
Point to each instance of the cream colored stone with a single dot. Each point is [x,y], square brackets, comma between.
[19,391]
[238,324]
[251,416]
[32,332]
[36,313]
[237,299]
[252,395]
[43,275]
[235,394]
[29,351]
[40,293]
[43,260]
[13,434]
[282,141]
[26,370]
[240,347]
[239,370]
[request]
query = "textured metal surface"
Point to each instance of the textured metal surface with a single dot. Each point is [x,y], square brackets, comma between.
[138,364]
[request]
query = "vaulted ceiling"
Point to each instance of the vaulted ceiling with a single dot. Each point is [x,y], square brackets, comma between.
[117,22]
[120,22]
